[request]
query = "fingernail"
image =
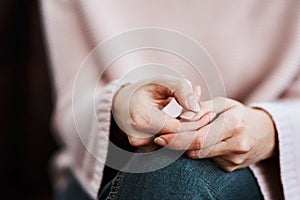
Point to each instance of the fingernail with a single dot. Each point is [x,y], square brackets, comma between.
[188,115]
[160,141]
[212,116]
[192,102]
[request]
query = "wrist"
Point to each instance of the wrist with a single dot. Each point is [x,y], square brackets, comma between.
[120,110]
[268,129]
[119,95]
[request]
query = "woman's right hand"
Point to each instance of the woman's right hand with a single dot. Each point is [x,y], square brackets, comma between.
[137,109]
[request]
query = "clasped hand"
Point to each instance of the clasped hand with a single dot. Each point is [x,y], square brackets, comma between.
[226,131]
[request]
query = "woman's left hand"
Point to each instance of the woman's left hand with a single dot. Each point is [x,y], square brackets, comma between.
[238,137]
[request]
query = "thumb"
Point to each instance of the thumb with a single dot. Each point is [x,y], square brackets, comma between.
[182,91]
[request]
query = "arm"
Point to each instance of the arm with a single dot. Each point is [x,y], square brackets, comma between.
[285,114]
[82,112]
[74,120]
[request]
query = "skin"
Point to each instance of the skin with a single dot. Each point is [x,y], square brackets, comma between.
[137,109]
[232,135]
[238,137]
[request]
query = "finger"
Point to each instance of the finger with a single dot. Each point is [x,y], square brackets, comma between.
[219,149]
[223,164]
[198,92]
[176,141]
[192,116]
[230,162]
[207,136]
[218,105]
[138,139]
[232,148]
[189,116]
[171,125]
[182,90]
[143,142]
[196,125]
[163,123]
[153,120]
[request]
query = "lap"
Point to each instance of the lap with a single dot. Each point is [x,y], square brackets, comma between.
[184,179]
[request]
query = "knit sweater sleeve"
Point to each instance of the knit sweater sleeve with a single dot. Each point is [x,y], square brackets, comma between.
[285,114]
[83,97]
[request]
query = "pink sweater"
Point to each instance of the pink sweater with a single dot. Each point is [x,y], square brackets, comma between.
[255,45]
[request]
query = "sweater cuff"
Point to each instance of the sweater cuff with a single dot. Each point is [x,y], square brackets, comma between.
[277,174]
[103,107]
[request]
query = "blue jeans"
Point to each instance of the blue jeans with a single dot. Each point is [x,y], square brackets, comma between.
[184,179]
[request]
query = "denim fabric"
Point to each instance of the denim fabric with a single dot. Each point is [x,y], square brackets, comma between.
[184,179]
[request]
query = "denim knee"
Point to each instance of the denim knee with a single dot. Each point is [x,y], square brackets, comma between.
[187,179]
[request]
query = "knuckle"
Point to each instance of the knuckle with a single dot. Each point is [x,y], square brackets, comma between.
[224,164]
[237,160]
[200,123]
[238,124]
[184,83]
[243,146]
[229,168]
[139,121]
[176,127]
[197,143]
[137,142]
[193,154]
[134,141]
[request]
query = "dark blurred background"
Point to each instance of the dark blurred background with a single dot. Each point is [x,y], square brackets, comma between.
[26,144]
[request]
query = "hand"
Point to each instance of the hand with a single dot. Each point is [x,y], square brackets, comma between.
[137,109]
[238,137]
